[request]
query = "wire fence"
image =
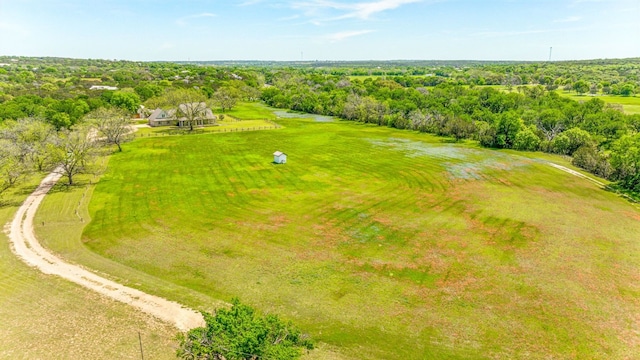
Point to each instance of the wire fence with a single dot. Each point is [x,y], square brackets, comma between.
[208,130]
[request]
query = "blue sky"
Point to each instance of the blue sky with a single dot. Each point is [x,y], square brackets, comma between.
[321,29]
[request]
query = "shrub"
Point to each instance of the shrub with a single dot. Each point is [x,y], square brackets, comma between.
[240,333]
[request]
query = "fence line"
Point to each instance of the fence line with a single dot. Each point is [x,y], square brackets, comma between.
[215,130]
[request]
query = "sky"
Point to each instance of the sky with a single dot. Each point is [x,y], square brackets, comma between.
[291,30]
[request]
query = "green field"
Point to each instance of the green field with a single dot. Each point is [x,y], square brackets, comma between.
[630,104]
[380,243]
[377,242]
[45,317]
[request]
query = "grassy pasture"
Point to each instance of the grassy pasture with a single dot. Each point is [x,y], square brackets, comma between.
[249,111]
[379,243]
[45,317]
[630,104]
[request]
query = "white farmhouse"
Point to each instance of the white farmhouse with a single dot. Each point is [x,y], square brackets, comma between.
[279,157]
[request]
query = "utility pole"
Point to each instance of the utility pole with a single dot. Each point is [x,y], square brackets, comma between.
[140,340]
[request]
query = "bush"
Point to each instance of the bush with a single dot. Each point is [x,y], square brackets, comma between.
[526,140]
[589,158]
[240,333]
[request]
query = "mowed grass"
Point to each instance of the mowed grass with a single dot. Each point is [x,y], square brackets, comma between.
[380,243]
[249,111]
[630,104]
[46,317]
[383,243]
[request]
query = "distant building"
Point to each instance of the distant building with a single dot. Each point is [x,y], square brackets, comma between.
[102,87]
[279,157]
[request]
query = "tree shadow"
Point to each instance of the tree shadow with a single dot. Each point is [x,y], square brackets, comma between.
[5,203]
[64,187]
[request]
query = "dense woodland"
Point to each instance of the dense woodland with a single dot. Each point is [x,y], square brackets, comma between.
[48,104]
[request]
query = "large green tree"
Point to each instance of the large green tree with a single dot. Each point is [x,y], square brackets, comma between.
[581,87]
[126,100]
[625,160]
[240,333]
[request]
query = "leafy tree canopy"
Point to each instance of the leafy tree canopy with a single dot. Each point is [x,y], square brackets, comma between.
[240,333]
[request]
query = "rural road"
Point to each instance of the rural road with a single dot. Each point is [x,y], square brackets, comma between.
[25,245]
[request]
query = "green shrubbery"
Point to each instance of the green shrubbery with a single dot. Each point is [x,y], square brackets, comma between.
[240,333]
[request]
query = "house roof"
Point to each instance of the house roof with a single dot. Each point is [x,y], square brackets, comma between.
[154,115]
[278,153]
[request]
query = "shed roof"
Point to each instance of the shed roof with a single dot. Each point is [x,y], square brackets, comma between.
[278,153]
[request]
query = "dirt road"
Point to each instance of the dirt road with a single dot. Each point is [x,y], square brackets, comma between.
[575,173]
[25,245]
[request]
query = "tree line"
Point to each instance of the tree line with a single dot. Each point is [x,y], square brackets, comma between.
[600,138]
[443,98]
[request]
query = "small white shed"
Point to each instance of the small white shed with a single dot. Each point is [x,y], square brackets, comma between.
[279,157]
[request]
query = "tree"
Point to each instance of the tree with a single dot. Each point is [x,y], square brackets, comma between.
[226,98]
[191,107]
[30,136]
[459,128]
[148,91]
[240,333]
[507,127]
[581,87]
[550,123]
[569,141]
[112,125]
[589,158]
[12,168]
[61,121]
[129,101]
[627,89]
[526,139]
[625,160]
[72,152]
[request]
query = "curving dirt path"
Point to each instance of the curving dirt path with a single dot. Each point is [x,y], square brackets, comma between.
[25,245]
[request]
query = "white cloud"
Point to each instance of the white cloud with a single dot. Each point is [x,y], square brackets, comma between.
[322,10]
[250,2]
[185,19]
[339,36]
[509,33]
[568,19]
[289,18]
[366,10]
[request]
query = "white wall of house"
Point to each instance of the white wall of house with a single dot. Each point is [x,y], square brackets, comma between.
[280,159]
